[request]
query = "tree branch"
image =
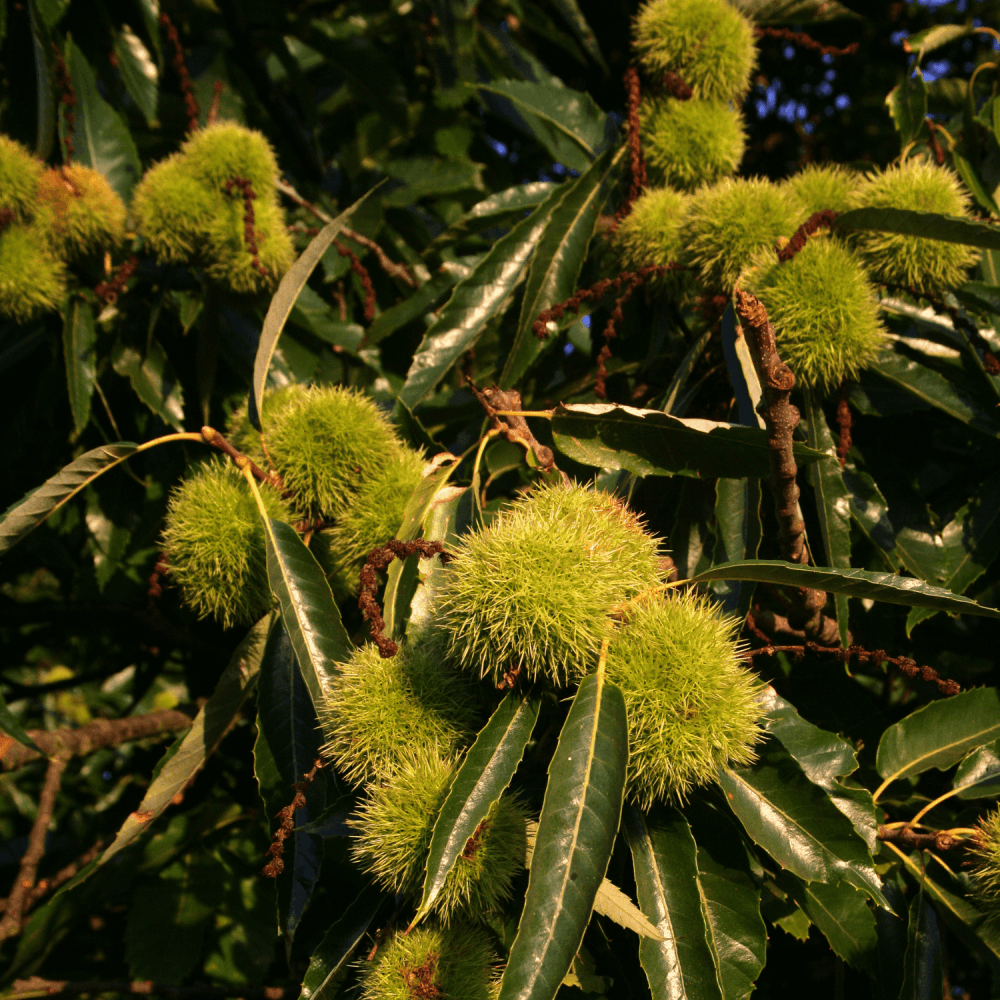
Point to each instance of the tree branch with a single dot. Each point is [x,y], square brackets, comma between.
[23,989]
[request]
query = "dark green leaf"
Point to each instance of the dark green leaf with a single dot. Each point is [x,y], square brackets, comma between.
[485,773]
[307,608]
[101,140]
[190,752]
[664,857]
[833,505]
[738,535]
[797,11]
[338,945]
[907,104]
[13,728]
[285,297]
[41,44]
[742,373]
[555,265]
[978,776]
[423,176]
[653,443]
[923,42]
[939,734]
[481,297]
[796,823]
[33,509]
[853,582]
[891,944]
[576,833]
[79,345]
[923,978]
[139,72]
[51,11]
[870,513]
[153,380]
[575,19]
[930,225]
[672,398]
[973,182]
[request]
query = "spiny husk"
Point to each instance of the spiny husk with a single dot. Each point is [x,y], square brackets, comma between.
[534,592]
[819,186]
[651,233]
[692,705]
[79,212]
[19,175]
[32,280]
[986,873]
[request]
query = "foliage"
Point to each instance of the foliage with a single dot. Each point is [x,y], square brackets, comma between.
[646,733]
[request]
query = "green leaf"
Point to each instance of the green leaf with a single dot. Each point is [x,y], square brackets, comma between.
[930,225]
[673,402]
[907,104]
[833,504]
[870,513]
[923,977]
[189,753]
[842,913]
[79,346]
[153,379]
[653,443]
[738,535]
[576,833]
[496,209]
[14,729]
[139,72]
[423,176]
[36,506]
[939,734]
[978,776]
[614,904]
[923,42]
[285,297]
[485,773]
[481,297]
[853,582]
[101,140]
[41,45]
[664,857]
[578,23]
[321,980]
[742,372]
[796,823]
[972,180]
[307,607]
[796,11]
[556,264]
[566,122]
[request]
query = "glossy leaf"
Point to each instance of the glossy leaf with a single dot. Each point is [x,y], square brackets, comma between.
[870,513]
[664,858]
[307,608]
[33,509]
[852,582]
[45,105]
[476,300]
[153,379]
[940,734]
[653,443]
[503,206]
[576,833]
[923,976]
[101,140]
[738,536]
[796,823]
[486,771]
[139,72]
[189,753]
[574,18]
[930,225]
[10,726]
[833,505]
[742,373]
[926,41]
[79,345]
[285,297]
[673,399]
[978,776]
[907,104]
[332,954]
[556,264]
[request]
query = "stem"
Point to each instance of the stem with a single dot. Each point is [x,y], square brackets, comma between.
[941,798]
[243,464]
[603,659]
[881,788]
[548,414]
[167,438]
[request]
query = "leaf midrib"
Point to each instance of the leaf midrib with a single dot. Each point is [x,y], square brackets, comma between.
[902,772]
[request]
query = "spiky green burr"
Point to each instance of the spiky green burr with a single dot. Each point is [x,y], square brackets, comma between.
[377,710]
[914,261]
[707,42]
[79,212]
[986,873]
[824,310]
[821,186]
[692,705]
[19,175]
[32,280]
[533,593]
[687,143]
[651,233]
[214,544]
[726,223]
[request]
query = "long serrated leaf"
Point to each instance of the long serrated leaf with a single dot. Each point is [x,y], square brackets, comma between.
[738,535]
[929,225]
[307,607]
[190,752]
[338,945]
[284,299]
[796,823]
[79,343]
[153,378]
[34,508]
[853,582]
[614,904]
[796,11]
[46,106]
[978,776]
[653,443]
[501,207]
[555,265]
[923,976]
[576,833]
[476,300]
[446,276]
[14,729]
[664,858]
[742,371]
[485,773]
[139,72]
[940,734]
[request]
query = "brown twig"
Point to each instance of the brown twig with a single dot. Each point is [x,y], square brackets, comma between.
[190,103]
[26,989]
[24,882]
[815,222]
[363,276]
[677,86]
[638,165]
[905,836]
[287,816]
[391,268]
[213,108]
[378,559]
[844,424]
[245,188]
[67,98]
[513,428]
[216,440]
[108,291]
[933,139]
[46,885]
[155,590]
[806,41]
